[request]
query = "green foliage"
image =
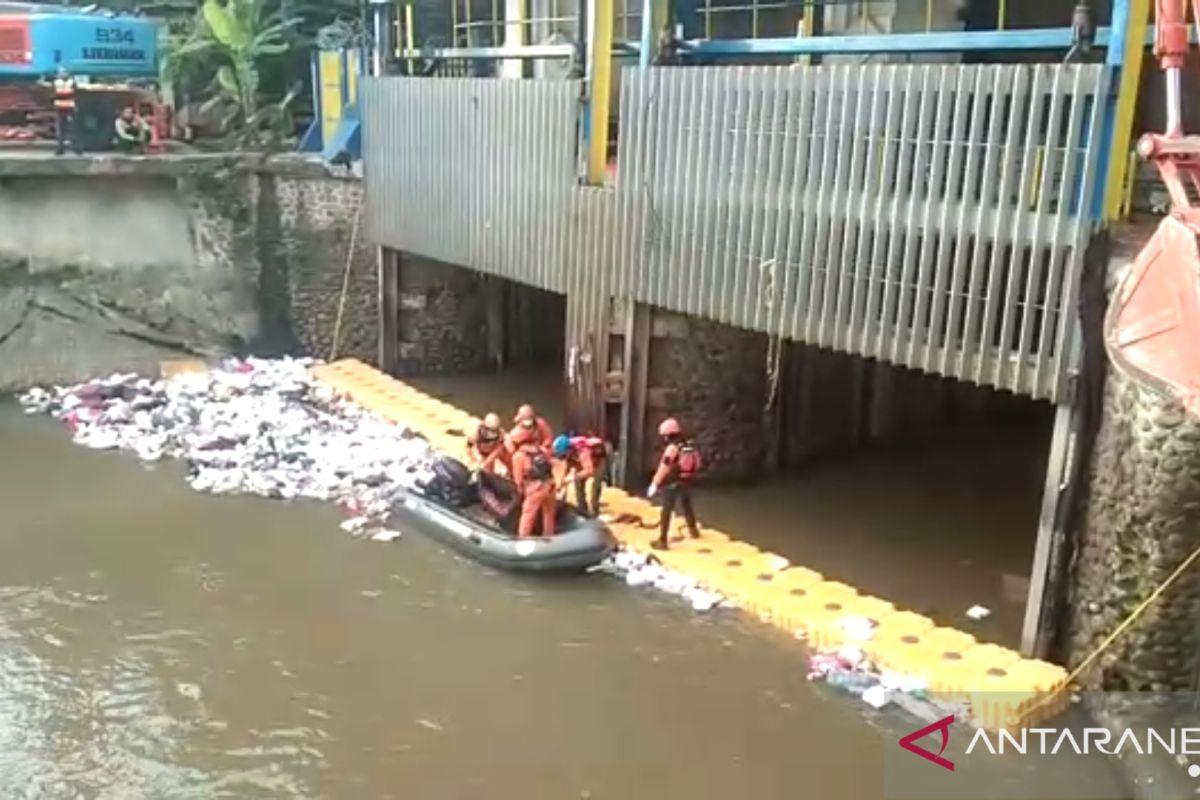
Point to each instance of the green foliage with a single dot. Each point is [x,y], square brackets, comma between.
[229,45]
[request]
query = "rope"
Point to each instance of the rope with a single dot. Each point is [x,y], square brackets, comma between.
[1124,626]
[337,325]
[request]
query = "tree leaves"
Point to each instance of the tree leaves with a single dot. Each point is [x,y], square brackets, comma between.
[230,42]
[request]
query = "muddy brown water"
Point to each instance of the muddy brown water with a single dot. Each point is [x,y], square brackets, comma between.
[157,643]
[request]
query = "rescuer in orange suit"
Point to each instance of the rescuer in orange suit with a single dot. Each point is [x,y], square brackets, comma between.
[486,446]
[579,458]
[527,418]
[679,464]
[534,477]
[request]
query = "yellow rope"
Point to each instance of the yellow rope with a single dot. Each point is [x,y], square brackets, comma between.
[1124,626]
[337,325]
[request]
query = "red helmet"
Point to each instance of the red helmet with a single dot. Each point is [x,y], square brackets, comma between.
[669,427]
[525,412]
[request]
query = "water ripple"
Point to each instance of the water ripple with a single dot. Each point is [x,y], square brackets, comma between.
[108,718]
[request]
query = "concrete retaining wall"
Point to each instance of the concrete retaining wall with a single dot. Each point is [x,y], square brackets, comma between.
[117,263]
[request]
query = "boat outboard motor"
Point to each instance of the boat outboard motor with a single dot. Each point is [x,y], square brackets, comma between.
[451,483]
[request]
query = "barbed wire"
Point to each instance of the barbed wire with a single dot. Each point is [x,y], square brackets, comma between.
[341,35]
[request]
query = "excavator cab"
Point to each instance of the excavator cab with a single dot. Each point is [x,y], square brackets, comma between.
[1152,329]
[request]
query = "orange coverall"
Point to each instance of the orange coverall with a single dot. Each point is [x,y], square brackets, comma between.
[538,495]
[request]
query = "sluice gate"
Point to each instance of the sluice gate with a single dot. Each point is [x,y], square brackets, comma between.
[931,217]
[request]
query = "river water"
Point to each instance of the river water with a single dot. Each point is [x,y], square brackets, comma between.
[157,643]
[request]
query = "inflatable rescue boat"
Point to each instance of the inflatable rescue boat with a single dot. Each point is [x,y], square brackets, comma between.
[477,518]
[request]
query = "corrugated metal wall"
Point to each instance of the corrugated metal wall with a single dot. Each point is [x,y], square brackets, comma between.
[474,171]
[927,216]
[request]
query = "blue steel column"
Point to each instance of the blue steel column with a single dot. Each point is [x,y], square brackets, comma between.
[1126,52]
[1059,491]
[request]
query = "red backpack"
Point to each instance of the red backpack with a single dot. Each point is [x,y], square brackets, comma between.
[689,461]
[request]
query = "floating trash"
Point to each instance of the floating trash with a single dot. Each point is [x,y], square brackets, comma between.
[260,427]
[645,570]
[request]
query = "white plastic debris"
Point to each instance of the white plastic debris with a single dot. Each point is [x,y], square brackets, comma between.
[978,612]
[250,427]
[777,563]
[876,697]
[851,656]
[641,570]
[857,628]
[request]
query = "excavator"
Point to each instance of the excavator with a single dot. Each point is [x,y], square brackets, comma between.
[1152,329]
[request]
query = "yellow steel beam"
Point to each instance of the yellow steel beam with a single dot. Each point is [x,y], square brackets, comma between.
[600,91]
[410,37]
[1127,94]
[808,25]
[514,36]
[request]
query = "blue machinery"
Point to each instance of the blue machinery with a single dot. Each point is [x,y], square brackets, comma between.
[1124,43]
[335,131]
[36,38]
[335,126]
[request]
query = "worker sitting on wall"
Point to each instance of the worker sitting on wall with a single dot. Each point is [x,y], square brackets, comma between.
[133,134]
[64,87]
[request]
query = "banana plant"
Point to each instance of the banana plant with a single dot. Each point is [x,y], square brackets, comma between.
[236,37]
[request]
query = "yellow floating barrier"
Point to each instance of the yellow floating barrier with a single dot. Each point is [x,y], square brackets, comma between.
[761,591]
[1003,689]
[809,606]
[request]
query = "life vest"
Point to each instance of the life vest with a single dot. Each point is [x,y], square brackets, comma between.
[593,444]
[540,468]
[486,440]
[64,94]
[688,462]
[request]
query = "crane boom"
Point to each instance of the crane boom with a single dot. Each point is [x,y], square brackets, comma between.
[1153,324]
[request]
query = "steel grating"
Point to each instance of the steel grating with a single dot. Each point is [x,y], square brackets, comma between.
[932,217]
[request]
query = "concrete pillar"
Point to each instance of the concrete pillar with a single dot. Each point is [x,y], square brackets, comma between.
[514,36]
[494,298]
[389,308]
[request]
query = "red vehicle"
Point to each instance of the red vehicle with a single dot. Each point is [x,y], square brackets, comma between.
[113,58]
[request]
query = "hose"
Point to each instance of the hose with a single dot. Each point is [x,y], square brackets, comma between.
[337,325]
[1083,32]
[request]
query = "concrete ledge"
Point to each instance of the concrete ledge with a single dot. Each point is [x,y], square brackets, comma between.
[41,164]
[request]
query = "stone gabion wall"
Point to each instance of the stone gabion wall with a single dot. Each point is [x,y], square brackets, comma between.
[1141,519]
[314,233]
[713,378]
[443,324]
